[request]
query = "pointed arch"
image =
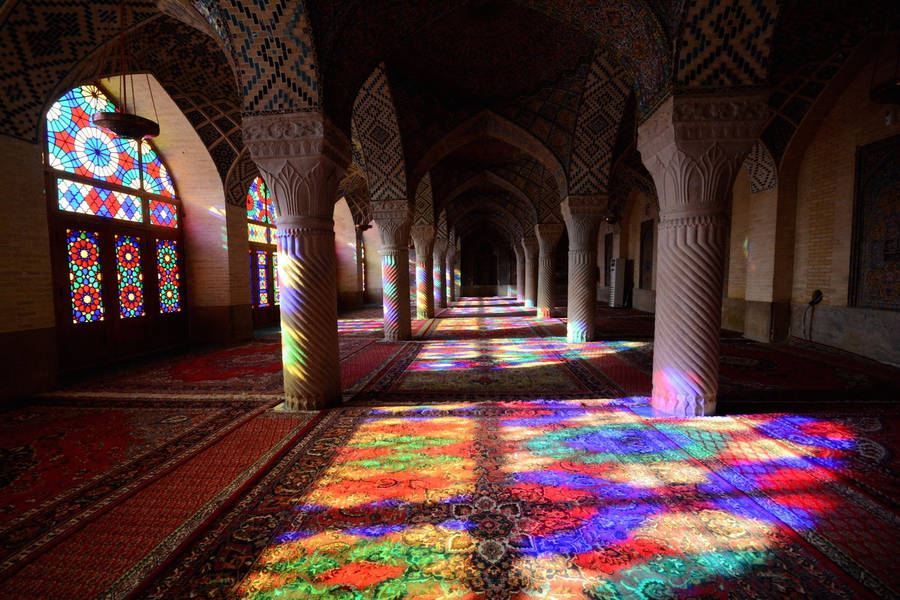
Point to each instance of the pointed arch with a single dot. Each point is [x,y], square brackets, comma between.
[489,124]
[375,126]
[492,179]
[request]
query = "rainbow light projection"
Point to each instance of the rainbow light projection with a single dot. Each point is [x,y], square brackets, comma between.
[436,285]
[421,291]
[574,499]
[367,327]
[276,289]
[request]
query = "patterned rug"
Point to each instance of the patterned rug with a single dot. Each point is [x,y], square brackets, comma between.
[109,533]
[558,500]
[487,369]
[65,463]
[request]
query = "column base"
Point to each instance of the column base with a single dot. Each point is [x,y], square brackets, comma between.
[682,405]
[292,403]
[578,337]
[544,313]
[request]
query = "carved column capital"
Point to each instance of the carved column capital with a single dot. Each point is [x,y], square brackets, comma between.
[423,237]
[548,235]
[582,215]
[302,158]
[693,146]
[393,218]
[530,247]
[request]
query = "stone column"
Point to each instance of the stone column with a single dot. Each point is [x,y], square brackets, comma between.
[520,273]
[440,269]
[582,215]
[693,147]
[423,238]
[393,218]
[451,272]
[530,251]
[548,235]
[302,157]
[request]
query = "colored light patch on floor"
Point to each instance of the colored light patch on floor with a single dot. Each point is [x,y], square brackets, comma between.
[498,365]
[569,499]
[369,327]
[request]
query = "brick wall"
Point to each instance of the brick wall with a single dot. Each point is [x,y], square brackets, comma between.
[26,291]
[825,188]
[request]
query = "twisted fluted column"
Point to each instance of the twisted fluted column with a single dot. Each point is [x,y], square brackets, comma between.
[693,147]
[530,251]
[548,235]
[302,157]
[451,272]
[423,238]
[582,215]
[439,256]
[393,218]
[520,273]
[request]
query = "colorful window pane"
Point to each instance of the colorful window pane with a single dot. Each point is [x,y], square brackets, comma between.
[163,213]
[76,146]
[276,288]
[258,233]
[262,278]
[85,276]
[130,276]
[156,176]
[89,200]
[169,276]
[259,203]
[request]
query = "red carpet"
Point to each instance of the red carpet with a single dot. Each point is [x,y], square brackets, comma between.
[556,500]
[139,531]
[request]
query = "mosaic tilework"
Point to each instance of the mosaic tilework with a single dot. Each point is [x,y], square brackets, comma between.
[424,209]
[38,51]
[602,105]
[634,35]
[508,210]
[241,175]
[375,121]
[761,167]
[726,43]
[273,51]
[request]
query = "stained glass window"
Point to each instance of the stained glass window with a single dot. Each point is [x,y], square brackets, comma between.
[90,200]
[129,276]
[117,179]
[262,278]
[258,233]
[260,213]
[163,213]
[76,146]
[276,288]
[156,176]
[85,276]
[168,275]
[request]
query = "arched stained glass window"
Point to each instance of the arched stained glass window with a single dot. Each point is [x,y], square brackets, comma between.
[119,211]
[263,252]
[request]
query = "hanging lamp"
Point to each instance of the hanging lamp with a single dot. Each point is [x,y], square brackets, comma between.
[127,124]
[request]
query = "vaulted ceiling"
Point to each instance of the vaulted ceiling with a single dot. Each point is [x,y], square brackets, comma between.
[489,97]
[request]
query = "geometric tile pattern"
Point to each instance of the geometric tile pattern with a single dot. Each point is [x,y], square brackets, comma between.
[273,50]
[726,42]
[761,167]
[241,175]
[602,105]
[634,36]
[375,126]
[40,42]
[424,210]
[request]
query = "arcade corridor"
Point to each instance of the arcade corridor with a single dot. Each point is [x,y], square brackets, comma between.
[486,458]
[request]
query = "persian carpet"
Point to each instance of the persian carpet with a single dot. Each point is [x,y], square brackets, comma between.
[557,500]
[63,464]
[142,523]
[487,369]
